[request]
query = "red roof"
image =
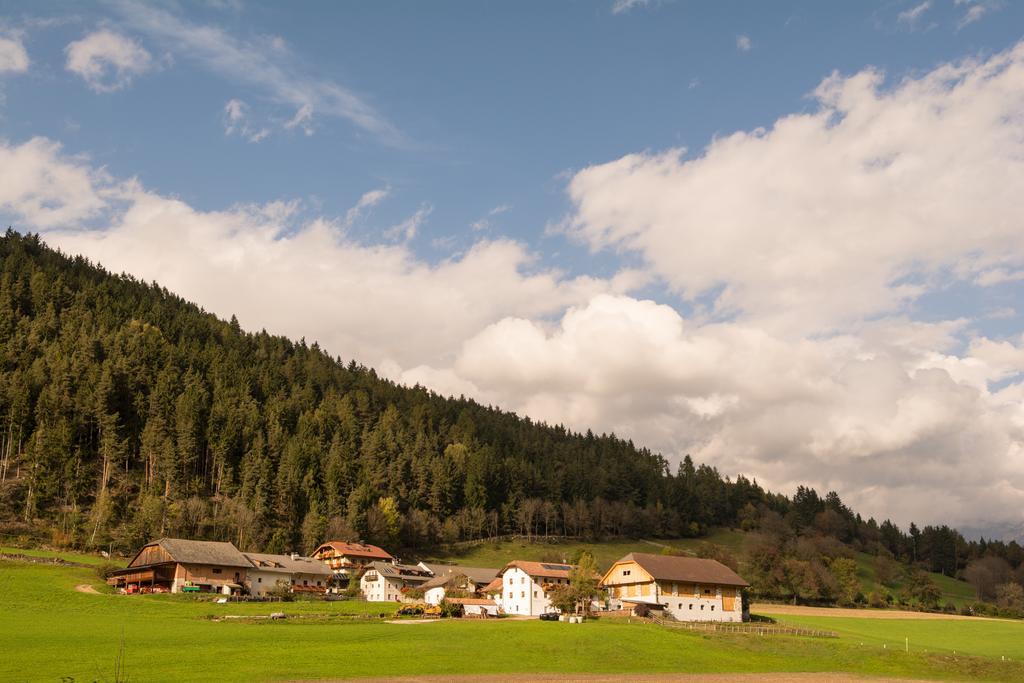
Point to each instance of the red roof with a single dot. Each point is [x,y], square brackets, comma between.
[354,550]
[492,587]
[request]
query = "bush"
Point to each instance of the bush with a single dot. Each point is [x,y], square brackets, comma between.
[450,609]
[105,570]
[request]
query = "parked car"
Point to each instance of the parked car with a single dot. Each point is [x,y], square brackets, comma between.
[549,616]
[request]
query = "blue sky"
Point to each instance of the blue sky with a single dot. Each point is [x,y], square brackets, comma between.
[492,102]
[489,198]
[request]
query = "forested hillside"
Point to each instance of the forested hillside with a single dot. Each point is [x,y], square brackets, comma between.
[128,413]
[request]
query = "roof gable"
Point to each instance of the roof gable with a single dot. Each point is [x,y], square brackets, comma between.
[185,551]
[354,550]
[547,570]
[287,564]
[689,569]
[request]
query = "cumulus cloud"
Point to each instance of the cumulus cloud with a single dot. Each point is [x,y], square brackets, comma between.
[13,56]
[835,215]
[744,43]
[44,189]
[378,303]
[799,251]
[107,61]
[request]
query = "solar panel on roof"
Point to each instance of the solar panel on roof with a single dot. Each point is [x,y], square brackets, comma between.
[560,567]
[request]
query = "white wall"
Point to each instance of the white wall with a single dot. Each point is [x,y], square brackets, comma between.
[382,589]
[521,594]
[689,607]
[434,596]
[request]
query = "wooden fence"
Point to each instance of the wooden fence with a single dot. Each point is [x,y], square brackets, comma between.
[752,629]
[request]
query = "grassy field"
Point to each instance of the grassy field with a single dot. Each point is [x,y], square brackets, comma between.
[50,631]
[605,553]
[985,637]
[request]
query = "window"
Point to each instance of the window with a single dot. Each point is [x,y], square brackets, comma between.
[691,607]
[522,579]
[534,593]
[702,608]
[522,594]
[680,605]
[625,572]
[216,570]
[510,580]
[712,608]
[259,580]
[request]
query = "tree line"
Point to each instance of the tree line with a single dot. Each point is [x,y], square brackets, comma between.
[127,413]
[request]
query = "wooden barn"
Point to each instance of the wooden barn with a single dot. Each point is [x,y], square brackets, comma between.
[175,565]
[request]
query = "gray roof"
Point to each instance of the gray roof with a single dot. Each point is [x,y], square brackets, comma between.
[443,573]
[203,552]
[406,572]
[689,569]
[286,564]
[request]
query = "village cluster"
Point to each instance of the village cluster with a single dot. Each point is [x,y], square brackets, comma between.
[683,588]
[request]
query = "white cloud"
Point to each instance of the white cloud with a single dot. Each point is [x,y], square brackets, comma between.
[622,6]
[484,223]
[40,187]
[367,201]
[835,215]
[303,119]
[262,63]
[106,60]
[407,229]
[800,246]
[301,278]
[237,122]
[975,10]
[910,17]
[13,56]
[744,43]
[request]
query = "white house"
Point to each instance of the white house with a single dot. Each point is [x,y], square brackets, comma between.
[525,586]
[686,588]
[295,573]
[386,582]
[476,607]
[455,578]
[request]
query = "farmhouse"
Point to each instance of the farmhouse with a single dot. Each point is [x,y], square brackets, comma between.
[687,588]
[453,578]
[387,582]
[177,565]
[525,586]
[293,572]
[346,559]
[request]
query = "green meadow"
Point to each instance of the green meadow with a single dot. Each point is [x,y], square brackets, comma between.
[51,632]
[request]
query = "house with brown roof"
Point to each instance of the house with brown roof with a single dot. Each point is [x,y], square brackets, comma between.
[450,577]
[176,565]
[686,588]
[525,586]
[388,582]
[293,573]
[346,560]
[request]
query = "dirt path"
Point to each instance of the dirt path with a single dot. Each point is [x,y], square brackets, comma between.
[824,676]
[800,611]
[86,588]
